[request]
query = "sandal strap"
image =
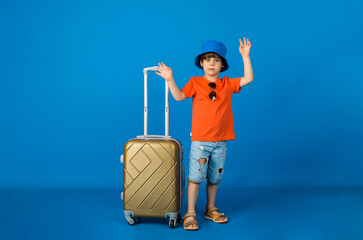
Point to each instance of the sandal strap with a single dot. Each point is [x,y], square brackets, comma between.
[188,223]
[212,209]
[190,215]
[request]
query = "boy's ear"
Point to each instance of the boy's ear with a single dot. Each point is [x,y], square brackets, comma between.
[201,63]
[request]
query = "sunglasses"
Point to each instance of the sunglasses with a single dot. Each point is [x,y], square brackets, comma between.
[212,94]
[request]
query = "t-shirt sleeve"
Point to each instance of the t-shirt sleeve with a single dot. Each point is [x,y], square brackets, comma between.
[235,84]
[188,89]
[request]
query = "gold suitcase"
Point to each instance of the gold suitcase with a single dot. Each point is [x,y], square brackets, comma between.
[153,173]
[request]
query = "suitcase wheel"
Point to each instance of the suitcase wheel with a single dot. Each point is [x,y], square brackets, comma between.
[131,220]
[172,222]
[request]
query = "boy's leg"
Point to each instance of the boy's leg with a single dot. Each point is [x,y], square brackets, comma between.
[198,166]
[192,195]
[215,173]
[211,197]
[211,194]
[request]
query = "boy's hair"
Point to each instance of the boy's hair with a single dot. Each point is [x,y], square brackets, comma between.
[212,55]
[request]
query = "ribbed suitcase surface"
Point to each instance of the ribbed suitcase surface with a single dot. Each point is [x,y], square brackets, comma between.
[151,177]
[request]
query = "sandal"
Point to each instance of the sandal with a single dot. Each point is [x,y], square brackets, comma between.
[217,218]
[188,225]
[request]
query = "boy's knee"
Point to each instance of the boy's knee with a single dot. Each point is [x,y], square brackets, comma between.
[216,176]
[202,161]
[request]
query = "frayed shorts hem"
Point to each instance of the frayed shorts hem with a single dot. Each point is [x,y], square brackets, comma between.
[204,181]
[194,181]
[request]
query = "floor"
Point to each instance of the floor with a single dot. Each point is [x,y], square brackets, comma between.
[265,213]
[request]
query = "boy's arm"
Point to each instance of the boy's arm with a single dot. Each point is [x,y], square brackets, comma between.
[167,74]
[244,49]
[177,94]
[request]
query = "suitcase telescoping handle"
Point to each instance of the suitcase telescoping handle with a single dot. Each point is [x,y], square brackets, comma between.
[146,71]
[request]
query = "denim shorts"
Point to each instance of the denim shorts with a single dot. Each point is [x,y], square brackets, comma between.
[206,161]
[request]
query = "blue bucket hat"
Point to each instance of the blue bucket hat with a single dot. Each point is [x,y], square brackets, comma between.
[216,47]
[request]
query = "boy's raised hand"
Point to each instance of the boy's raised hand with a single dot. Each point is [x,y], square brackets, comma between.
[165,72]
[244,49]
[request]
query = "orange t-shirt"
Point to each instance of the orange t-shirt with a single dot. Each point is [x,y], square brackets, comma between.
[212,120]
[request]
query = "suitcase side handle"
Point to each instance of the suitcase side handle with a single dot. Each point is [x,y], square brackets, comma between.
[146,71]
[153,137]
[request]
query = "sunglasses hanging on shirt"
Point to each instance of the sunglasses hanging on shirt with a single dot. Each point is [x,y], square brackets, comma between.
[212,94]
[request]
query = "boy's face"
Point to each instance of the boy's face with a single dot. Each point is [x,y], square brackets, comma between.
[212,64]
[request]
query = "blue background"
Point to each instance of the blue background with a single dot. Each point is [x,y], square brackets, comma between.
[71,88]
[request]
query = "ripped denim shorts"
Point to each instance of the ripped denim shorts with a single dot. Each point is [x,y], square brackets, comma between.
[206,161]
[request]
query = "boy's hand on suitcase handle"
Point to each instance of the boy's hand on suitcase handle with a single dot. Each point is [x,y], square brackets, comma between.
[165,72]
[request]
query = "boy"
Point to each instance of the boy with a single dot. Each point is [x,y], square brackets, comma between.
[212,122]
